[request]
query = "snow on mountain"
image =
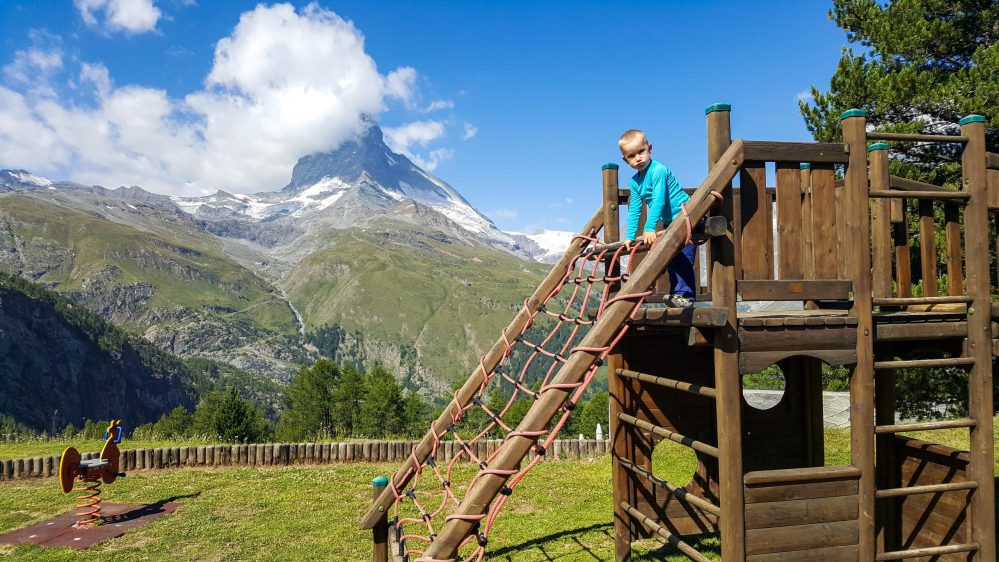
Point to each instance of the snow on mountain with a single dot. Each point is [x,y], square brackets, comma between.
[360,179]
[22,179]
[545,246]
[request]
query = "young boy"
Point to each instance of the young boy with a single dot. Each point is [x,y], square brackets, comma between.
[655,184]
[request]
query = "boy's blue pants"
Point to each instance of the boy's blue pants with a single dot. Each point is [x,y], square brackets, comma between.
[681,272]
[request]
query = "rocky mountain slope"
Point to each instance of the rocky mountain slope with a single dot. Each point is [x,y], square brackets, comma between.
[362,256]
[61,364]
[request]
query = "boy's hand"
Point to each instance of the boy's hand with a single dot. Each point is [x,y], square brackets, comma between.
[649,238]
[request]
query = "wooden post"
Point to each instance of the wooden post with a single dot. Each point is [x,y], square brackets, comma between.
[380,530]
[976,223]
[807,237]
[617,430]
[824,229]
[757,223]
[789,227]
[928,248]
[728,405]
[955,274]
[903,260]
[856,207]
[880,221]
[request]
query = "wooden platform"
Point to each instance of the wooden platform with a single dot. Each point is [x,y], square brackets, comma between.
[59,531]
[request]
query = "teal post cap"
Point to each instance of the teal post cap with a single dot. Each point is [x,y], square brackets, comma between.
[853,113]
[805,166]
[717,107]
[380,482]
[972,119]
[609,166]
[878,146]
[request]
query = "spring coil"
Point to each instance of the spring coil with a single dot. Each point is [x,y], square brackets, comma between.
[90,505]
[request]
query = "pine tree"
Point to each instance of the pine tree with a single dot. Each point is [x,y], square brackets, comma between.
[382,410]
[309,402]
[228,417]
[922,66]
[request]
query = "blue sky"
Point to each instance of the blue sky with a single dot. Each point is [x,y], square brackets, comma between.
[515,104]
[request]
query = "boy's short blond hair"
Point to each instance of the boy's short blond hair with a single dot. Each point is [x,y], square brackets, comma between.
[632,135]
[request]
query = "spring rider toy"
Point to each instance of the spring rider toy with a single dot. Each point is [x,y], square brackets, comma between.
[91,473]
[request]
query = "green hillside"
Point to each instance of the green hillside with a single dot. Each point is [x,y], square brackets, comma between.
[64,248]
[445,298]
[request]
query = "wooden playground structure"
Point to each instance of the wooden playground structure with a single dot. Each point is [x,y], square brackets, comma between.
[841,251]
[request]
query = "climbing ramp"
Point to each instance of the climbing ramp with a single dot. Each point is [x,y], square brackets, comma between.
[547,356]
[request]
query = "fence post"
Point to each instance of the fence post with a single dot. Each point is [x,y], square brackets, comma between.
[380,530]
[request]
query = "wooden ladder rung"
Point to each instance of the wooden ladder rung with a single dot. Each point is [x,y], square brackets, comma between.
[957,196]
[922,363]
[906,301]
[928,489]
[666,382]
[662,534]
[699,446]
[928,551]
[679,493]
[924,426]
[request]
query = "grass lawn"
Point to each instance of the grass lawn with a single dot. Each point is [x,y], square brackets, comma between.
[562,511]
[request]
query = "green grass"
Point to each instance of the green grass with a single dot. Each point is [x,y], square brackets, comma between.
[561,512]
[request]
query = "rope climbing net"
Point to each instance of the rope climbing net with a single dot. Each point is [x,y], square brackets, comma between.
[524,374]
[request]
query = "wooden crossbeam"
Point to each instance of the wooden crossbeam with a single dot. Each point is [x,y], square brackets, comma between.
[908,137]
[928,489]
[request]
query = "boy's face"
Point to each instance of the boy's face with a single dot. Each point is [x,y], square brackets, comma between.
[637,153]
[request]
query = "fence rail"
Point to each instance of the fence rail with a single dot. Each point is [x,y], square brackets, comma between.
[282,454]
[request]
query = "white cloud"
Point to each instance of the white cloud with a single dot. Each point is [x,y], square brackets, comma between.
[418,133]
[438,105]
[128,16]
[284,84]
[33,68]
[805,96]
[470,131]
[504,213]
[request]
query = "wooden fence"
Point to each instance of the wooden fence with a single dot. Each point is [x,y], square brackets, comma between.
[282,454]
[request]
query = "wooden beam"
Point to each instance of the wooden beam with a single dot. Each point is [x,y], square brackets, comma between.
[807,235]
[925,363]
[952,232]
[826,245]
[880,226]
[957,196]
[993,189]
[908,137]
[857,237]
[677,492]
[725,270]
[924,426]
[992,160]
[757,223]
[789,228]
[808,474]
[666,382]
[685,440]
[980,385]
[796,152]
[699,317]
[928,552]
[928,248]
[662,534]
[927,489]
[795,289]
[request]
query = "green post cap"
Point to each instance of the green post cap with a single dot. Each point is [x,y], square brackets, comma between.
[380,482]
[805,166]
[852,113]
[878,146]
[717,107]
[972,119]
[609,166]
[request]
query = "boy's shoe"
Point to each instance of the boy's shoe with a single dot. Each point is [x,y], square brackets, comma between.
[680,301]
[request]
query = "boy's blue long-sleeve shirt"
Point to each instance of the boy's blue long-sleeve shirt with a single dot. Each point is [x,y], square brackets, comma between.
[654,185]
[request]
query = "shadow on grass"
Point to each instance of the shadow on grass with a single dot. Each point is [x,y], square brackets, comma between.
[707,544]
[540,545]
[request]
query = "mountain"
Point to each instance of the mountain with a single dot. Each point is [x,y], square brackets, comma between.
[362,256]
[545,246]
[61,364]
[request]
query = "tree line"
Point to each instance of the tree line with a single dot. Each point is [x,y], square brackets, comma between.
[336,401]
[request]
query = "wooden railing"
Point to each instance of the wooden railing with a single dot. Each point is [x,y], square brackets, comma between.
[282,454]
